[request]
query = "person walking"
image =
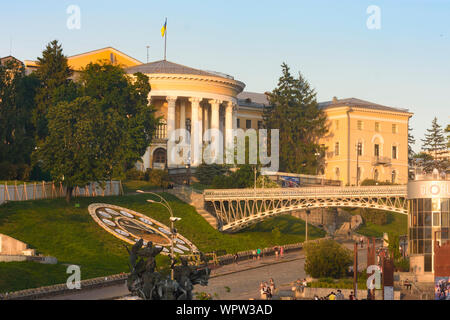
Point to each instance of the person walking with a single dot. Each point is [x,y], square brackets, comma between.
[254,254]
[258,253]
[272,286]
[351,296]
[236,257]
[275,249]
[281,251]
[361,241]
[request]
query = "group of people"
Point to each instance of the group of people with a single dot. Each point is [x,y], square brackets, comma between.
[267,290]
[335,296]
[299,285]
[442,289]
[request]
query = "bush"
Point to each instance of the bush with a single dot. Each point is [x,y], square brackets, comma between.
[10,171]
[327,258]
[402,264]
[372,182]
[244,177]
[157,177]
[135,174]
[206,173]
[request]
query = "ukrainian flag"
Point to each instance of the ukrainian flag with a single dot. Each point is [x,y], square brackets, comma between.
[163,29]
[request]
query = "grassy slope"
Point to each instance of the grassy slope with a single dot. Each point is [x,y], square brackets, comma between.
[71,235]
[396,224]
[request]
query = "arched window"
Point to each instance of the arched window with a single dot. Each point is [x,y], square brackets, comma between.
[393,176]
[337,173]
[159,157]
[375,175]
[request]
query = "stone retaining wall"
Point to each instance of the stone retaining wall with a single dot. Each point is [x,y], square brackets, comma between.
[60,289]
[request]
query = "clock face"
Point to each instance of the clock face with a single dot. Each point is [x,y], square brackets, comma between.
[130,226]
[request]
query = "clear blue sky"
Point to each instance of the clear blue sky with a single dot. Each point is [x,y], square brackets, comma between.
[405,64]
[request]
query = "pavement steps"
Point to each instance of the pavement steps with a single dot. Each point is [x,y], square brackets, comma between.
[196,200]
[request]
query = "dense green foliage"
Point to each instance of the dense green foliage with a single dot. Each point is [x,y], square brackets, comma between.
[95,136]
[327,259]
[435,144]
[55,85]
[294,111]
[68,233]
[205,173]
[16,126]
[396,224]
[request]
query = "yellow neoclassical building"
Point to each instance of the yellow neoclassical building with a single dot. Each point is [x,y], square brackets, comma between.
[366,140]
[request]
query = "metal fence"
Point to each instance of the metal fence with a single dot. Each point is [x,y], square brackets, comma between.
[52,190]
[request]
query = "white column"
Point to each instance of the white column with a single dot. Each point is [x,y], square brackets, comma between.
[170,128]
[196,133]
[215,105]
[229,123]
[216,144]
[183,118]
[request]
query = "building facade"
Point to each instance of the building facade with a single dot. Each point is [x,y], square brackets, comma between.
[428,221]
[365,140]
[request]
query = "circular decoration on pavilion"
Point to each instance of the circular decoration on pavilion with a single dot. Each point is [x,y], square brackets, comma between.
[130,226]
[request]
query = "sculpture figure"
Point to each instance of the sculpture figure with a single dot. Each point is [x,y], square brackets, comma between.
[148,284]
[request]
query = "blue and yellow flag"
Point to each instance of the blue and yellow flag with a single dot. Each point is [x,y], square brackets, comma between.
[163,29]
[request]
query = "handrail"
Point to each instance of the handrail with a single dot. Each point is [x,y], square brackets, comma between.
[316,191]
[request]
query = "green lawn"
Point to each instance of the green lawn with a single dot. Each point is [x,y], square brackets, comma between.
[71,235]
[397,224]
[130,186]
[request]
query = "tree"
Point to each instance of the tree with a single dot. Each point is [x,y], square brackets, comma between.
[294,111]
[16,106]
[411,142]
[53,73]
[93,137]
[447,130]
[434,143]
[327,258]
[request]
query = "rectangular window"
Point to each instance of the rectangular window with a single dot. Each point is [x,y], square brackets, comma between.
[360,125]
[394,128]
[377,127]
[238,123]
[336,149]
[376,150]
[260,125]
[359,149]
[394,152]
[248,124]
[436,219]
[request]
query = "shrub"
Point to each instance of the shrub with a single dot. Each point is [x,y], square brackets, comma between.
[23,172]
[402,264]
[135,174]
[7,171]
[327,258]
[157,177]
[206,173]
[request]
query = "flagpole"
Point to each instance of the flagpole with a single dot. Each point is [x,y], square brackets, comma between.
[165,41]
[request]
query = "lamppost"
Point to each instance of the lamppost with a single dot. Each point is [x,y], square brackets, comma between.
[173,219]
[307,214]
[358,151]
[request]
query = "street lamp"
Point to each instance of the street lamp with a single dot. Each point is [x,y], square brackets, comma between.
[173,219]
[307,214]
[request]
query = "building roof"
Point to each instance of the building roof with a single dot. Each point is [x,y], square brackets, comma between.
[164,66]
[252,99]
[354,102]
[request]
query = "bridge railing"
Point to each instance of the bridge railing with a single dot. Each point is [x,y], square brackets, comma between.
[361,191]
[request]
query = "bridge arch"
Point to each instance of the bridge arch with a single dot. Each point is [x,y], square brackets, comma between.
[236,209]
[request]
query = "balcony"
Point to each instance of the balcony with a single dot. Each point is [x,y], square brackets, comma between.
[160,133]
[379,160]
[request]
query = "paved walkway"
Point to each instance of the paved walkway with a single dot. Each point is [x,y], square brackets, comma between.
[233,281]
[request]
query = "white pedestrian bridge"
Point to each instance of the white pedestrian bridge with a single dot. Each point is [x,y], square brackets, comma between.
[238,208]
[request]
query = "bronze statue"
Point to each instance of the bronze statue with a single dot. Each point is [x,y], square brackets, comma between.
[148,284]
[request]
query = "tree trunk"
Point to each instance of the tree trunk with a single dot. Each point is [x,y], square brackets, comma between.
[68,193]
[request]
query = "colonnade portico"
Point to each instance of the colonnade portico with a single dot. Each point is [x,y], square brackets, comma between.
[203,113]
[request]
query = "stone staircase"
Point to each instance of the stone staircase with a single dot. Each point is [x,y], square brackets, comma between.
[195,199]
